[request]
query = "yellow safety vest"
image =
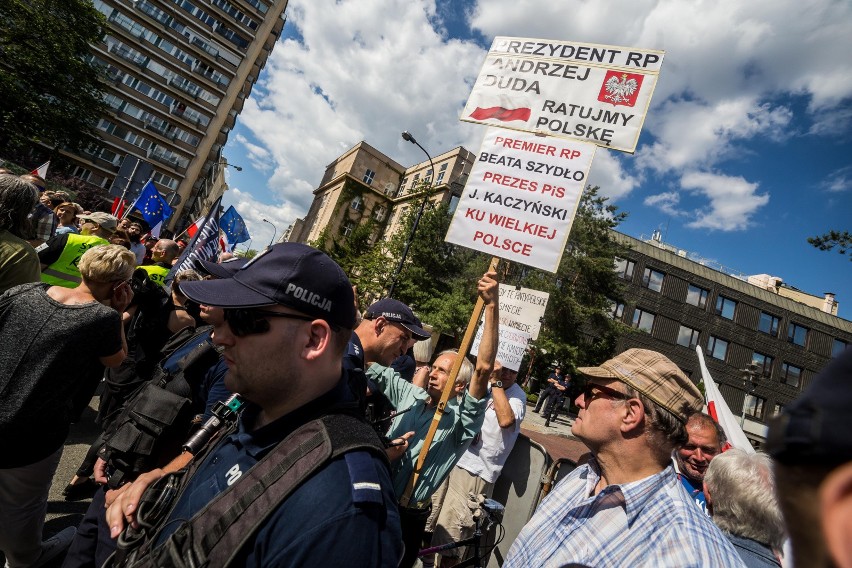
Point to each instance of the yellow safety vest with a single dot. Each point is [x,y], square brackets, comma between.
[64,271]
[156,273]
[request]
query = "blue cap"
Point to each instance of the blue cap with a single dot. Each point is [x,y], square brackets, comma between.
[224,269]
[396,311]
[290,274]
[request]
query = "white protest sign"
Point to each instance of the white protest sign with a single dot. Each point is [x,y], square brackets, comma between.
[510,348]
[584,91]
[522,309]
[521,197]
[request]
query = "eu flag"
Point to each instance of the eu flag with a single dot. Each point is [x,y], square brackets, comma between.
[152,205]
[234,227]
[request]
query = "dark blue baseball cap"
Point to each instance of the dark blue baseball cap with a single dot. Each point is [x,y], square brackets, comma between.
[290,274]
[815,428]
[224,269]
[396,311]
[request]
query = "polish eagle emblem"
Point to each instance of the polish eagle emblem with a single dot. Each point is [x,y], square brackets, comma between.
[620,88]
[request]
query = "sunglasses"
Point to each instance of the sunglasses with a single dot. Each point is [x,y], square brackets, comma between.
[244,321]
[593,391]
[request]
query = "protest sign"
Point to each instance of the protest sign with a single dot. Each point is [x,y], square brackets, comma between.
[587,92]
[521,197]
[522,308]
[510,348]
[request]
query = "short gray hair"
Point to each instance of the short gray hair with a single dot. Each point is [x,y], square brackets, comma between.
[742,495]
[466,370]
[17,199]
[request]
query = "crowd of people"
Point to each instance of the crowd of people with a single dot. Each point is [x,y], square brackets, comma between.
[251,416]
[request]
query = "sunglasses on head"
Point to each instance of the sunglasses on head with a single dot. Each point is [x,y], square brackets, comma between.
[250,321]
[593,391]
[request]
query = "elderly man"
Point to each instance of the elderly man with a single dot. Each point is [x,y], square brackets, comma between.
[626,507]
[480,466]
[288,315]
[706,439]
[461,420]
[812,449]
[740,492]
[163,256]
[60,255]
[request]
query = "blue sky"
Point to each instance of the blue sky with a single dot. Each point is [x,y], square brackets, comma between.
[745,152]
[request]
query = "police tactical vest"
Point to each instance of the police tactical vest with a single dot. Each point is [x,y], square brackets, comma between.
[218,532]
[156,273]
[64,271]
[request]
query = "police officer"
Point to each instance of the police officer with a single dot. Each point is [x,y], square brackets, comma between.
[59,255]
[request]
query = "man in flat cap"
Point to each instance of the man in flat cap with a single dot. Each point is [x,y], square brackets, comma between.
[626,507]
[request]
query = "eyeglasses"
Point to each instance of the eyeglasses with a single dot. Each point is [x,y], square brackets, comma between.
[244,321]
[589,393]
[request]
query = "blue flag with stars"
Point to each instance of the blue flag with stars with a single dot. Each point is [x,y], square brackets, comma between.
[234,228]
[152,205]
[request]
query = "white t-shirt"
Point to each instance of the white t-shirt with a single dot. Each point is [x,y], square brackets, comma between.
[487,454]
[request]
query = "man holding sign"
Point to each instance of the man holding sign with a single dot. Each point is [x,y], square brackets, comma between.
[458,424]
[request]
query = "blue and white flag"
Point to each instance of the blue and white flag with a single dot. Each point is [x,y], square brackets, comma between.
[152,205]
[203,246]
[234,228]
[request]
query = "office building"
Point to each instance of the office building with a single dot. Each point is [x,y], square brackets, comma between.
[179,72]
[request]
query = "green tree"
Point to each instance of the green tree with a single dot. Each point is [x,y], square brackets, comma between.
[245,253]
[841,240]
[51,93]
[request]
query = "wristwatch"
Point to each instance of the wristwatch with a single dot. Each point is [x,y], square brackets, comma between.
[498,384]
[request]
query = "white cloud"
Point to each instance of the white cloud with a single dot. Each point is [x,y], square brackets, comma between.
[258,155]
[732,200]
[667,202]
[838,181]
[608,173]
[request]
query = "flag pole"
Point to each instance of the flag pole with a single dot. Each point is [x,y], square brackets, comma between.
[127,211]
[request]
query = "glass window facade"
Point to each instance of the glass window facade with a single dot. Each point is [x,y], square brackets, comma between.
[653,279]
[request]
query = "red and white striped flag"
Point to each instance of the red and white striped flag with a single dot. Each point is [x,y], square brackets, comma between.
[41,171]
[721,412]
[192,229]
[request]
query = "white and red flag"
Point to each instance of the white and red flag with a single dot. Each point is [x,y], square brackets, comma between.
[721,412]
[41,171]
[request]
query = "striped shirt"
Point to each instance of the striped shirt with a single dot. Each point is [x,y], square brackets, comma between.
[650,522]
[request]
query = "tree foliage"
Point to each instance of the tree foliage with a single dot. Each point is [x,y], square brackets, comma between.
[840,239]
[50,92]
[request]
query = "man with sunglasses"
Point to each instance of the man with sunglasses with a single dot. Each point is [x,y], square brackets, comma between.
[288,316]
[626,507]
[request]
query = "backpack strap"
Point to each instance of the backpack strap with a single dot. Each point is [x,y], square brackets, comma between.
[216,535]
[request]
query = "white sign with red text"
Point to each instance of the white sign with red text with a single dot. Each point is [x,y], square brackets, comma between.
[588,92]
[522,308]
[521,197]
[510,348]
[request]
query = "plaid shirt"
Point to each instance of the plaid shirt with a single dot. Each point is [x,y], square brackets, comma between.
[650,522]
[44,222]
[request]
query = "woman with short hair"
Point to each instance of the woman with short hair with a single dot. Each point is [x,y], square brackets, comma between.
[54,344]
[67,215]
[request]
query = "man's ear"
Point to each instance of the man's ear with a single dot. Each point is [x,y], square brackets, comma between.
[633,414]
[317,341]
[835,495]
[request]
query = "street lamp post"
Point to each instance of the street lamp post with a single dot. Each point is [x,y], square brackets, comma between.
[750,379]
[274,231]
[409,138]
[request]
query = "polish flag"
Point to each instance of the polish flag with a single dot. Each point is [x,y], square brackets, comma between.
[721,413]
[41,171]
[192,229]
[501,113]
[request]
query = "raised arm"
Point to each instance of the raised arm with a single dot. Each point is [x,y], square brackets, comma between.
[488,289]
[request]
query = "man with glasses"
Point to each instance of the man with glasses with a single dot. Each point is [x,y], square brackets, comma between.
[626,507]
[288,316]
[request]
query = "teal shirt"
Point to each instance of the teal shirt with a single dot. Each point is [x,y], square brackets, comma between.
[460,422]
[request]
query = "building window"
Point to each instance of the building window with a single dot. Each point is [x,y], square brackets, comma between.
[725,307]
[358,203]
[687,336]
[797,334]
[763,362]
[616,309]
[624,268]
[643,320]
[791,374]
[653,279]
[838,347]
[443,167]
[769,324]
[697,296]
[347,228]
[440,178]
[379,213]
[368,176]
[777,409]
[717,347]
[753,406]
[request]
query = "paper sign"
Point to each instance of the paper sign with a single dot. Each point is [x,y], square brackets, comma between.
[510,348]
[588,92]
[522,309]
[521,197]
